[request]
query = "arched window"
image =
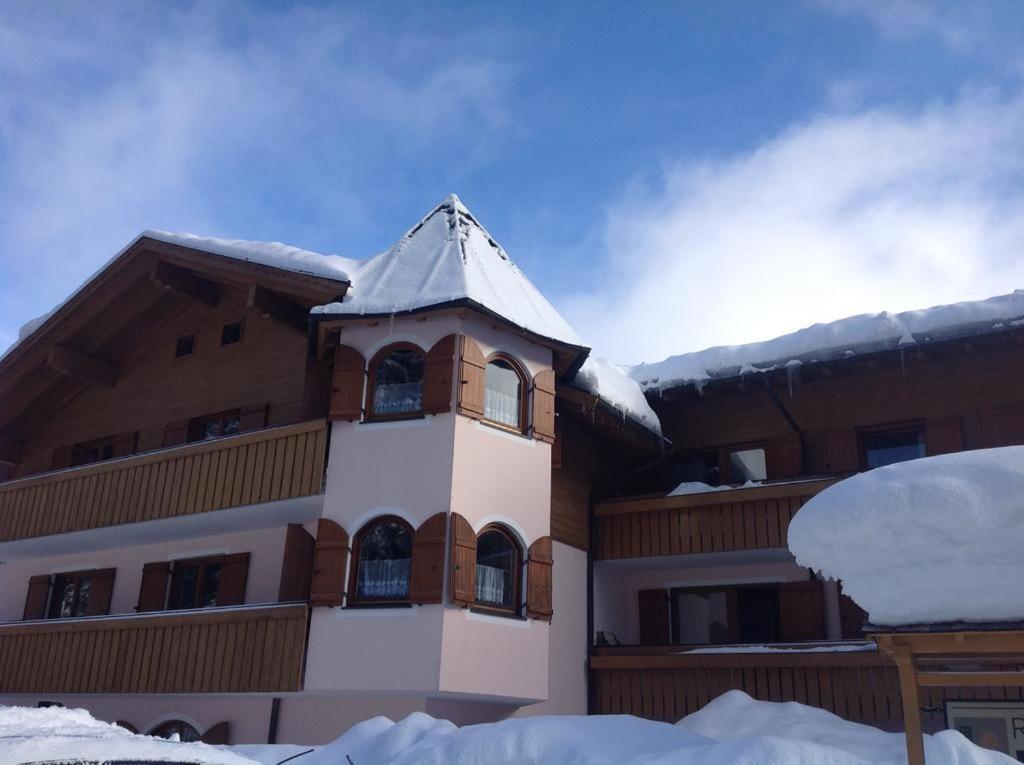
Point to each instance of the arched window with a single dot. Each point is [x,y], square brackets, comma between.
[396,382]
[504,394]
[176,728]
[382,555]
[497,569]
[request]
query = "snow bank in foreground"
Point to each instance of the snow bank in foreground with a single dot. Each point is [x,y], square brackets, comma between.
[31,735]
[609,383]
[937,539]
[732,730]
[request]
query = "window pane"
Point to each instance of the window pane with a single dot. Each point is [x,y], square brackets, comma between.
[211,581]
[495,570]
[385,554]
[895,446]
[748,465]
[398,384]
[758,614]
[184,582]
[702,617]
[82,601]
[502,394]
[62,602]
[702,468]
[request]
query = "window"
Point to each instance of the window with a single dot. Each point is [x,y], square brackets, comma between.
[176,730]
[213,426]
[69,596]
[503,394]
[747,465]
[92,451]
[194,583]
[497,570]
[885,447]
[718,615]
[396,382]
[702,468]
[231,333]
[382,557]
[185,346]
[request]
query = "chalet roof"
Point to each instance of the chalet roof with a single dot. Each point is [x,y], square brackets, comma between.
[845,338]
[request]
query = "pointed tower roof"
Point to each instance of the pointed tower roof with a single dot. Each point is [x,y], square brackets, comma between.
[448,258]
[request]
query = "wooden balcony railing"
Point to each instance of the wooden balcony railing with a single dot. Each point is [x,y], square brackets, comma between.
[261,466]
[245,649]
[753,518]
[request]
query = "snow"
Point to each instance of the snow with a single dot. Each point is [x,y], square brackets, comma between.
[936,539]
[732,730]
[448,256]
[699,487]
[865,333]
[30,734]
[834,648]
[604,379]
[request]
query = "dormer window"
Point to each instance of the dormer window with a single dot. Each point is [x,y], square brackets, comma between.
[504,402]
[383,561]
[396,382]
[497,570]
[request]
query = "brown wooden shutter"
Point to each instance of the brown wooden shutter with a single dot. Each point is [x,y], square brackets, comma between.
[234,574]
[783,458]
[252,417]
[843,451]
[38,594]
[347,384]
[329,564]
[943,435]
[426,582]
[544,406]
[654,617]
[463,562]
[538,580]
[101,587]
[437,376]
[153,591]
[472,378]
[297,564]
[125,443]
[61,458]
[176,433]
[851,617]
[801,611]
[218,734]
[1003,426]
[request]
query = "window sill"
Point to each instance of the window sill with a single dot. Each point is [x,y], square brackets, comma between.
[378,604]
[376,420]
[497,612]
[503,428]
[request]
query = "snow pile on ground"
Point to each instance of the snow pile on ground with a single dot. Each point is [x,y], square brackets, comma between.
[853,335]
[936,539]
[32,735]
[608,382]
[732,730]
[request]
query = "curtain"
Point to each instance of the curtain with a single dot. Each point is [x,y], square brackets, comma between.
[501,407]
[492,585]
[395,398]
[384,578]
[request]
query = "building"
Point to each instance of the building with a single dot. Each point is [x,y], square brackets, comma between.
[254,494]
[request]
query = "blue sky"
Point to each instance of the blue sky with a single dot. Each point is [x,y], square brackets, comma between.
[671,175]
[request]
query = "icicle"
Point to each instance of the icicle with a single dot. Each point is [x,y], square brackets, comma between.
[391,323]
[793,374]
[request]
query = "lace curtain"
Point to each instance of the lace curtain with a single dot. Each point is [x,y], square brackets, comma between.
[396,398]
[493,586]
[501,407]
[384,578]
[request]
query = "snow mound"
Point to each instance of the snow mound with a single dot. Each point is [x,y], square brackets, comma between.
[865,333]
[609,383]
[936,539]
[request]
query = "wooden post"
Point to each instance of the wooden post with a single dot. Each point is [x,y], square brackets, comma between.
[911,705]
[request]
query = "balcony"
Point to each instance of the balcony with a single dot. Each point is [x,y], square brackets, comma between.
[751,518]
[261,466]
[247,649]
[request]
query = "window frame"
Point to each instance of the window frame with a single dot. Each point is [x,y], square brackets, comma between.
[95,443]
[241,332]
[194,334]
[202,561]
[51,594]
[162,727]
[226,414]
[371,383]
[732,611]
[523,394]
[890,428]
[517,574]
[353,599]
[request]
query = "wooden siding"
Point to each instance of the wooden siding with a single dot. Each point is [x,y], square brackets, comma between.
[235,650]
[261,466]
[739,519]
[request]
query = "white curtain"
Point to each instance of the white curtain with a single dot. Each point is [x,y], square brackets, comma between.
[501,407]
[395,398]
[384,578]
[492,585]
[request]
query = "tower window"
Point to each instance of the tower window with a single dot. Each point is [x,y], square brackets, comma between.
[383,558]
[397,382]
[503,394]
[497,570]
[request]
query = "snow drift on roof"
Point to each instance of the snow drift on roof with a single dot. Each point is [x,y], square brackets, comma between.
[609,383]
[936,539]
[448,256]
[821,342]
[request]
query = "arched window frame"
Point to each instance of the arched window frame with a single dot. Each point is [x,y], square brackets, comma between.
[371,382]
[524,386]
[517,572]
[357,546]
[162,729]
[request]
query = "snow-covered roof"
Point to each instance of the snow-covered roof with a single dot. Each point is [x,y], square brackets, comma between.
[449,257]
[866,333]
[936,539]
[608,382]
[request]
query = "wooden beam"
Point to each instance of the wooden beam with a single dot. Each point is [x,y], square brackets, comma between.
[74,364]
[911,704]
[273,305]
[937,679]
[184,283]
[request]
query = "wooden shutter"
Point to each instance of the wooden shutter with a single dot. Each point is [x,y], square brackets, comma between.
[125,443]
[347,384]
[61,458]
[252,417]
[832,451]
[176,433]
[329,564]
[153,591]
[801,611]
[538,580]
[38,594]
[852,617]
[234,573]
[101,587]
[426,582]
[544,406]
[297,564]
[437,376]
[463,562]
[654,617]
[943,435]
[783,458]
[472,378]
[218,734]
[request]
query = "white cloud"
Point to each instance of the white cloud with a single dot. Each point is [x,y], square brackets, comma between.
[840,215]
[956,24]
